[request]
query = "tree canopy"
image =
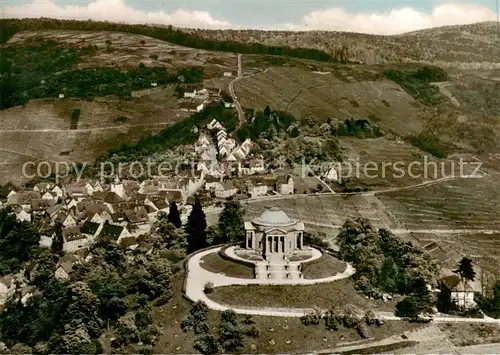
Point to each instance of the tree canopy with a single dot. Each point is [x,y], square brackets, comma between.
[196,228]
[231,223]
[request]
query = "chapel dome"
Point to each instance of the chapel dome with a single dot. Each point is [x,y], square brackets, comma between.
[274,216]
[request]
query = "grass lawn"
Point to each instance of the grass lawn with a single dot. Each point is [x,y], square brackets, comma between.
[215,263]
[332,294]
[303,338]
[323,267]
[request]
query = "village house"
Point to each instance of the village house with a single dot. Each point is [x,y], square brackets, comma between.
[39,207]
[332,174]
[215,125]
[47,233]
[138,217]
[225,190]
[253,166]
[114,232]
[7,288]
[201,94]
[22,215]
[461,294]
[78,190]
[192,106]
[91,230]
[258,184]
[157,202]
[64,218]
[214,92]
[23,199]
[49,196]
[58,191]
[63,271]
[43,187]
[285,184]
[258,189]
[74,239]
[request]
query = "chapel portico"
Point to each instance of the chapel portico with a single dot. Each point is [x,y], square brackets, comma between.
[274,234]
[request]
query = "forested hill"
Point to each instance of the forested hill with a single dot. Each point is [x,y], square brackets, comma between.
[9,27]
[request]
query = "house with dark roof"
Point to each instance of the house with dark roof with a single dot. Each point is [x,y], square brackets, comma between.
[47,233]
[64,218]
[91,229]
[112,198]
[159,203]
[285,184]
[226,190]
[74,239]
[40,206]
[63,271]
[113,232]
[23,198]
[460,292]
[137,216]
[172,195]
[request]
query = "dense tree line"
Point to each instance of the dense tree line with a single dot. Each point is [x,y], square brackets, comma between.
[8,27]
[18,242]
[358,128]
[109,292]
[384,263]
[417,83]
[266,123]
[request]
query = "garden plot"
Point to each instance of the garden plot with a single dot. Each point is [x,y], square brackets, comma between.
[303,93]
[124,50]
[457,204]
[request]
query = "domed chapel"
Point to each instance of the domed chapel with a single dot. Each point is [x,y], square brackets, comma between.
[274,234]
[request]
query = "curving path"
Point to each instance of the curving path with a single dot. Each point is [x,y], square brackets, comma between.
[197,277]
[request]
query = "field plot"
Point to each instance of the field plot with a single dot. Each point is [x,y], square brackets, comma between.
[328,211]
[304,93]
[125,50]
[457,204]
[385,163]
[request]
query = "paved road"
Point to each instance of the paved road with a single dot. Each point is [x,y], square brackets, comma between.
[241,114]
[367,193]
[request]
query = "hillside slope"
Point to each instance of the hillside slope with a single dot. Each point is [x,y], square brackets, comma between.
[467,46]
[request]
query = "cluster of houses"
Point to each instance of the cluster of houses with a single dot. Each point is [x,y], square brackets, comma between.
[219,160]
[121,210]
[197,99]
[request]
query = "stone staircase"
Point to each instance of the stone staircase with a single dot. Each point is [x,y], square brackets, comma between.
[277,271]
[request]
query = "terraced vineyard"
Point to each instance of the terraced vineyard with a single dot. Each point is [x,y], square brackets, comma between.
[305,93]
[386,163]
[328,211]
[457,204]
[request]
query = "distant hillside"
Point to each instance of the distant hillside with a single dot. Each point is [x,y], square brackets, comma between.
[466,46]
[9,28]
[444,46]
